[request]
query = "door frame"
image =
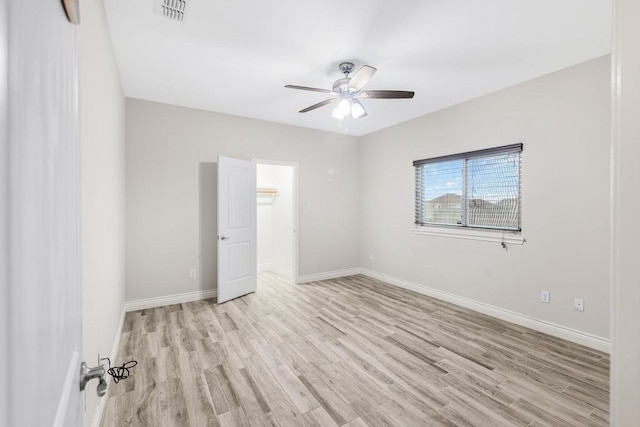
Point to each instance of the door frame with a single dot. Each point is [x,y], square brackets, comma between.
[624,202]
[4,209]
[294,202]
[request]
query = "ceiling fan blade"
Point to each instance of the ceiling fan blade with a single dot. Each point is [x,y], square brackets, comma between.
[312,89]
[362,77]
[386,94]
[318,105]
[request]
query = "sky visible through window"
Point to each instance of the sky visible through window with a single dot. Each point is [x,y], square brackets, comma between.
[491,179]
[443,178]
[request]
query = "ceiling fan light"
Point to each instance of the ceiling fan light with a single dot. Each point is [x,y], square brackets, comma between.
[343,108]
[357,109]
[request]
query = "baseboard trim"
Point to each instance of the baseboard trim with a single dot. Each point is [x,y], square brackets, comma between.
[274,268]
[168,300]
[328,275]
[569,334]
[265,267]
[281,271]
[115,348]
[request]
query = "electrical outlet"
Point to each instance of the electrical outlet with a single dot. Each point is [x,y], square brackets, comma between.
[545,297]
[371,257]
[578,304]
[192,274]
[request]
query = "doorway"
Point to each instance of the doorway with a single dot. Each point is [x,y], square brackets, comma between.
[276,216]
[282,259]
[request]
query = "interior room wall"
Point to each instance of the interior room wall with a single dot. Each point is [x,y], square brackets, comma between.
[165,145]
[563,120]
[275,219]
[264,223]
[208,226]
[102,147]
[283,222]
[4,227]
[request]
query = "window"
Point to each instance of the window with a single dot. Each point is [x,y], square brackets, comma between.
[478,189]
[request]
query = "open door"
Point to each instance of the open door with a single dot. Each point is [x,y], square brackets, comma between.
[236,228]
[45,288]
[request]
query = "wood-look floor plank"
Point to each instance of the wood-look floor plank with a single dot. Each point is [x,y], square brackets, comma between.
[223,395]
[247,393]
[470,410]
[336,408]
[267,353]
[265,420]
[261,375]
[319,418]
[495,407]
[175,400]
[358,422]
[234,418]
[200,406]
[373,414]
[416,404]
[405,415]
[295,389]
[350,352]
[284,410]
[547,406]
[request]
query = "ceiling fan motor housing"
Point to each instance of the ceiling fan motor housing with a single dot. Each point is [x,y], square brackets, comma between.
[346,67]
[342,86]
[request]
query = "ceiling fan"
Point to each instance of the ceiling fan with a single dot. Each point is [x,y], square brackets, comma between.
[348,92]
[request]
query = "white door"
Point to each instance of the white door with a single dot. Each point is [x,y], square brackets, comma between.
[236,228]
[45,290]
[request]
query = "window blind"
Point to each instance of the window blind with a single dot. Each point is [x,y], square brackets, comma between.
[478,189]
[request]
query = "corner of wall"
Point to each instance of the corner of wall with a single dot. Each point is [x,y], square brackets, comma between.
[102,164]
[4,228]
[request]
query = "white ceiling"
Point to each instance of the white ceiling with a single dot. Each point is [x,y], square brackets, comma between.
[235,56]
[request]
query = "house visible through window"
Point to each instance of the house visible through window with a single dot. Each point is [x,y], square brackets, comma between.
[478,189]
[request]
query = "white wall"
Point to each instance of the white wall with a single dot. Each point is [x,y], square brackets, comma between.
[4,231]
[275,219]
[165,145]
[625,361]
[563,121]
[283,221]
[208,226]
[264,225]
[102,143]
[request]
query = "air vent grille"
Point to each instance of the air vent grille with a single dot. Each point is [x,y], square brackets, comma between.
[173,9]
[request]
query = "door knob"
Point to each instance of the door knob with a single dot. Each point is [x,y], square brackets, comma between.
[87,374]
[224,238]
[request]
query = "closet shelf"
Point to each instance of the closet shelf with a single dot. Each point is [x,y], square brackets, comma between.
[266,195]
[271,192]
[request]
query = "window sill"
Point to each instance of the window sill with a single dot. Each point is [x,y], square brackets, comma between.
[510,237]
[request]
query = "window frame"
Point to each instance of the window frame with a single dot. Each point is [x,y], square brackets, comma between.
[464,230]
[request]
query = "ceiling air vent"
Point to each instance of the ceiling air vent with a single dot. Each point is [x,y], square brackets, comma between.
[172,9]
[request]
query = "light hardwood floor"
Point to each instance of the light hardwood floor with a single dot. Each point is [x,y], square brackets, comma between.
[348,352]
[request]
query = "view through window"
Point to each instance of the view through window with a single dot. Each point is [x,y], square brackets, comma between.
[479,189]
